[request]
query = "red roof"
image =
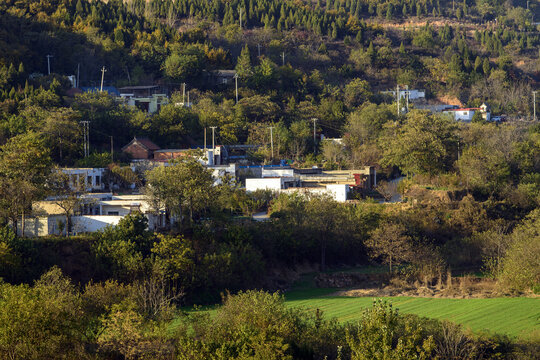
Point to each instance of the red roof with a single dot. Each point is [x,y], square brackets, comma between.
[148,144]
[145,142]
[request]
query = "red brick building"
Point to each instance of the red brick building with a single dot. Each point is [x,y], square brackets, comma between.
[141,149]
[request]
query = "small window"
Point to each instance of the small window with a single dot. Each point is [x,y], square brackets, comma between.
[466,113]
[98,180]
[113,213]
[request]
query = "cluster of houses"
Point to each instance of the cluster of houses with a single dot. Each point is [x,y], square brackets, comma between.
[417,98]
[99,204]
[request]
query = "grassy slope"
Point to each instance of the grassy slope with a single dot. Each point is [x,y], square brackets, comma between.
[511,316]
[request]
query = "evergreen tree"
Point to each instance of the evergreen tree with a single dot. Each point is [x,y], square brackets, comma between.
[486,67]
[243,64]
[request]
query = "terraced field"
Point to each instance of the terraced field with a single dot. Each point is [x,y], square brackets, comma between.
[518,317]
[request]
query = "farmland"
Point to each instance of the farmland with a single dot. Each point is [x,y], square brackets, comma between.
[517,317]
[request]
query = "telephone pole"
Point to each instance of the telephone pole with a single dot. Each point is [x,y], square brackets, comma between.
[272,140]
[314,134]
[407,96]
[49,63]
[213,138]
[183,94]
[102,77]
[205,140]
[236,86]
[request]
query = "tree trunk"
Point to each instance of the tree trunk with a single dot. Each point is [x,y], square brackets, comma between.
[15,228]
[323,255]
[390,263]
[68,225]
[22,223]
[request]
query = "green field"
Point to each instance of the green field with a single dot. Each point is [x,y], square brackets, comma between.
[517,317]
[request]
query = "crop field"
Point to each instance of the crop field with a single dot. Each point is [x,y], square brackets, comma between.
[516,317]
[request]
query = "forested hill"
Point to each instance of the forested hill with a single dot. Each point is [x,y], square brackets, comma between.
[295,60]
[134,39]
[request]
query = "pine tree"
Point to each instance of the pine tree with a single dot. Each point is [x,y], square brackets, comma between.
[359,36]
[243,64]
[486,67]
[402,48]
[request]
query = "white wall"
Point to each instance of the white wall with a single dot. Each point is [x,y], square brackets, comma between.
[338,191]
[277,172]
[92,223]
[274,184]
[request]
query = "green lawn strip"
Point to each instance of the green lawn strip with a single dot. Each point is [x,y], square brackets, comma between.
[511,316]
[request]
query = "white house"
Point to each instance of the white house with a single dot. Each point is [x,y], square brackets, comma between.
[92,177]
[414,94]
[466,114]
[277,172]
[274,184]
[95,213]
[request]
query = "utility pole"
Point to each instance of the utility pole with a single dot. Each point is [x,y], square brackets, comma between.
[407,96]
[213,138]
[259,49]
[102,77]
[49,63]
[534,104]
[236,86]
[283,58]
[397,96]
[272,140]
[183,94]
[314,134]
[112,149]
[204,139]
[188,98]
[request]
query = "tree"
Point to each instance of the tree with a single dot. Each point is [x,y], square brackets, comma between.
[483,169]
[323,220]
[41,321]
[300,134]
[185,184]
[24,166]
[356,93]
[67,194]
[383,334]
[424,144]
[184,64]
[62,133]
[521,265]
[243,64]
[391,243]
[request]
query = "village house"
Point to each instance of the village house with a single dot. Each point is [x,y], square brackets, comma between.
[222,77]
[337,184]
[466,114]
[141,149]
[146,98]
[95,212]
[92,178]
